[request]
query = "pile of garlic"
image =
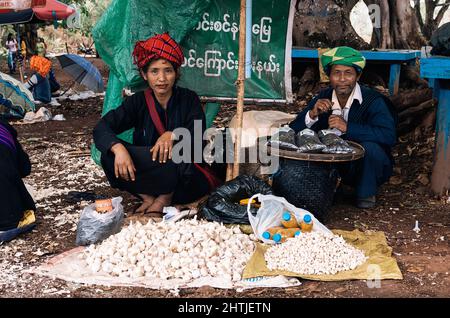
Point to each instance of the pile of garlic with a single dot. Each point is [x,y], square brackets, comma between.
[314,254]
[186,250]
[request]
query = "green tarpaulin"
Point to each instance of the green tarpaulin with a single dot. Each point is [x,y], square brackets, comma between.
[208,32]
[127,21]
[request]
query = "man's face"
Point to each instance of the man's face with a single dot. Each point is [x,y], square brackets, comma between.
[160,77]
[343,79]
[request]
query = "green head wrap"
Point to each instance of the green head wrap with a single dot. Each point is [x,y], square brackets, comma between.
[343,55]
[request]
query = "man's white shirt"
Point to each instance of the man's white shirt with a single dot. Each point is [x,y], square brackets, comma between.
[336,108]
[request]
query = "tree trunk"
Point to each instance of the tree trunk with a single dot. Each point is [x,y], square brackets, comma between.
[427,125]
[408,99]
[31,37]
[400,27]
[416,111]
[308,81]
[430,23]
[325,23]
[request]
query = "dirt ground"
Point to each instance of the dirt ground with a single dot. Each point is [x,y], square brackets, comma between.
[59,151]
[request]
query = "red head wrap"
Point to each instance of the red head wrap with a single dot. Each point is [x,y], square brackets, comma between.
[158,46]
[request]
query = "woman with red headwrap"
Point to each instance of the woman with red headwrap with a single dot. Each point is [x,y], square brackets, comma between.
[146,168]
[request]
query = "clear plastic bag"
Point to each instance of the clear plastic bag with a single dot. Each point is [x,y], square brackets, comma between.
[94,227]
[270,215]
[308,141]
[334,143]
[284,139]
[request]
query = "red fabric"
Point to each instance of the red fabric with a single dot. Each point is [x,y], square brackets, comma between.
[38,3]
[12,6]
[61,10]
[153,113]
[158,46]
[213,181]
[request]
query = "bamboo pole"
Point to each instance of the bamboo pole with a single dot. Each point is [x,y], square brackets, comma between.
[229,174]
[19,49]
[21,72]
[240,84]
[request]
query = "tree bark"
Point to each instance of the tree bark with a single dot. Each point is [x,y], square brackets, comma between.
[400,28]
[325,23]
[427,125]
[308,81]
[412,73]
[403,101]
[416,111]
[31,35]
[429,24]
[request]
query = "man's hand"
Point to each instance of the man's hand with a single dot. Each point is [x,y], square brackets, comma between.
[337,122]
[321,106]
[123,164]
[163,147]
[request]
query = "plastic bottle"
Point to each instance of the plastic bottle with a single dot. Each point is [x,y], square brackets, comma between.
[283,234]
[270,232]
[103,205]
[307,223]
[288,220]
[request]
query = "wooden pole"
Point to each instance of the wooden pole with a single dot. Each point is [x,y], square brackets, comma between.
[440,176]
[19,48]
[240,84]
[229,175]
[21,72]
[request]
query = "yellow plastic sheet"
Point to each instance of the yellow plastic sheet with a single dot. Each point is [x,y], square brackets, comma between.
[380,264]
[27,219]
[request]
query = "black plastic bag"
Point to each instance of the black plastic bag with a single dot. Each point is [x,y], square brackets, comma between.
[334,144]
[223,204]
[440,40]
[308,141]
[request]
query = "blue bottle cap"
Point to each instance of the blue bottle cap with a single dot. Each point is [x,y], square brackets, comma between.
[307,218]
[297,233]
[286,216]
[277,237]
[266,235]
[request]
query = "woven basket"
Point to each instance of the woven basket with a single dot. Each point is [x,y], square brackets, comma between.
[307,185]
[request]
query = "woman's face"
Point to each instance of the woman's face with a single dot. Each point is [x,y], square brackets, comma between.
[160,76]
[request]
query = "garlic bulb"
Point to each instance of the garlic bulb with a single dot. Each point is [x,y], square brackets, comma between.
[314,254]
[186,250]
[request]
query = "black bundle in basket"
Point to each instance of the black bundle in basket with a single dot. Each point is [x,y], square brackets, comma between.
[308,185]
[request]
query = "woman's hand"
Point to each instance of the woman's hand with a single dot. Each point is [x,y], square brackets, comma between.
[163,147]
[123,164]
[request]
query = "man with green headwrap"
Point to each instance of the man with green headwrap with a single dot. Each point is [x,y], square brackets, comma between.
[356,113]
